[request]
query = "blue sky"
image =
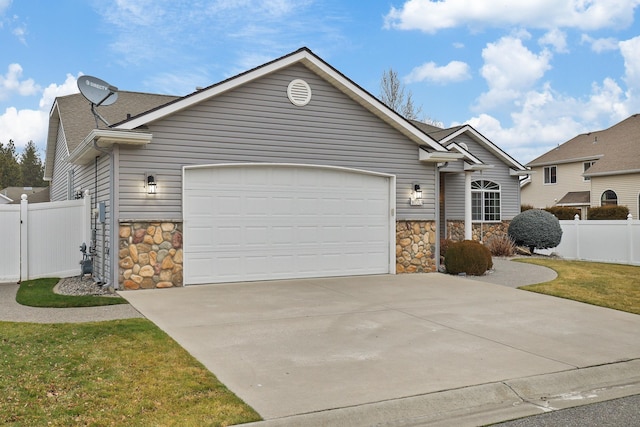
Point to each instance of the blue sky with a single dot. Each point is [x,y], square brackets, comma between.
[528,75]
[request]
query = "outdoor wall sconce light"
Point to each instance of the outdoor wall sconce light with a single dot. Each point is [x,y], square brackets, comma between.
[150,184]
[416,195]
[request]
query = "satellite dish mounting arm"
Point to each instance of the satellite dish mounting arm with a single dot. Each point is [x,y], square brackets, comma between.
[96,115]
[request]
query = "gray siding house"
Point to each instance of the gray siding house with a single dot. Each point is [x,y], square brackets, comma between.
[288,170]
[487,180]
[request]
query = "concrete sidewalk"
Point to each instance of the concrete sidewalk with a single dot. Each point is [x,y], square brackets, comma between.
[11,311]
[421,349]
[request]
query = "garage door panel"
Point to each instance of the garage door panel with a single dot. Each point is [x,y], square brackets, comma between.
[260,222]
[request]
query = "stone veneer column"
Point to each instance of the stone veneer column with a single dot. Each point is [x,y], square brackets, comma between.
[150,255]
[480,232]
[415,246]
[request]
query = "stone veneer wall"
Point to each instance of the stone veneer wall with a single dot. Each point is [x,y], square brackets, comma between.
[415,246]
[150,255]
[480,232]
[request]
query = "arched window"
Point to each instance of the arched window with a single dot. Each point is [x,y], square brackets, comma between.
[609,198]
[485,201]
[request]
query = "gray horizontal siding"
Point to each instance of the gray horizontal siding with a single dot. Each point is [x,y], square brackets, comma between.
[509,185]
[257,123]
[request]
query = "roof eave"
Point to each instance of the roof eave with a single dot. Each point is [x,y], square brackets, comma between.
[315,64]
[87,151]
[610,173]
[564,161]
[492,147]
[52,138]
[438,156]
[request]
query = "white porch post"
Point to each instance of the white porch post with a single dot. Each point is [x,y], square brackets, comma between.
[467,206]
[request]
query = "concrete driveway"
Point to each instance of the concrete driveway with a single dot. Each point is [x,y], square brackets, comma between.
[314,346]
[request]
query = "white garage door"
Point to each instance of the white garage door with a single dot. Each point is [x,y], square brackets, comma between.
[265,221]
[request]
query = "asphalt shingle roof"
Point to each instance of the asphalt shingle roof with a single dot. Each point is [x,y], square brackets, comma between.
[78,121]
[616,149]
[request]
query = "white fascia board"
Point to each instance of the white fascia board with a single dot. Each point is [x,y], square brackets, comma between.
[611,173]
[467,154]
[52,141]
[525,172]
[86,151]
[438,156]
[525,181]
[314,63]
[492,147]
[565,161]
[371,103]
[470,167]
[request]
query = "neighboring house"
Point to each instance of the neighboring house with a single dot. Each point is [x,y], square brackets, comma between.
[492,176]
[590,170]
[288,170]
[13,195]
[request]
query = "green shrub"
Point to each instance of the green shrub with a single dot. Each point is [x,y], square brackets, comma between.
[468,257]
[501,246]
[608,212]
[535,228]
[563,212]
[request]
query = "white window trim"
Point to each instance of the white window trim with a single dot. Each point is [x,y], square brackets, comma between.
[544,175]
[590,163]
[482,191]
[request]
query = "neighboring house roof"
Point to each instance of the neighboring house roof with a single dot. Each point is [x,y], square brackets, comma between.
[79,121]
[446,137]
[616,150]
[34,194]
[575,198]
[307,58]
[4,200]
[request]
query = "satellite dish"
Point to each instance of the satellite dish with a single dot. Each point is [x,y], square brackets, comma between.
[97,91]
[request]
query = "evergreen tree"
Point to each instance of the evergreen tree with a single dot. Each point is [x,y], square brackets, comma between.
[10,172]
[31,167]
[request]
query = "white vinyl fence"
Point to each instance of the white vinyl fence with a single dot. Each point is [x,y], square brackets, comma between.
[605,241]
[43,239]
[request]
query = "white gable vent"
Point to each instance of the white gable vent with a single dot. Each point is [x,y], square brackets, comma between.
[299,92]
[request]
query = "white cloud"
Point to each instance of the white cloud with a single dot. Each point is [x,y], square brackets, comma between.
[509,69]
[11,83]
[629,50]
[454,71]
[545,118]
[431,16]
[557,39]
[26,125]
[4,5]
[600,45]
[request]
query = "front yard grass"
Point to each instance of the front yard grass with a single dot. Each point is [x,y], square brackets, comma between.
[39,293]
[608,285]
[123,372]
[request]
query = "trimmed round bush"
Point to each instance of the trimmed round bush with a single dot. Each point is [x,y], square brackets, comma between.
[468,257]
[535,228]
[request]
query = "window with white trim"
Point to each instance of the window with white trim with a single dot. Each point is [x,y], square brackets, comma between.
[550,174]
[485,201]
[609,198]
[585,167]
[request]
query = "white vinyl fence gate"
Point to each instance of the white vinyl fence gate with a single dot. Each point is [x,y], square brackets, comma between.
[43,239]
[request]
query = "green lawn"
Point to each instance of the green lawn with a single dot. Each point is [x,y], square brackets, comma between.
[39,293]
[608,285]
[124,372]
